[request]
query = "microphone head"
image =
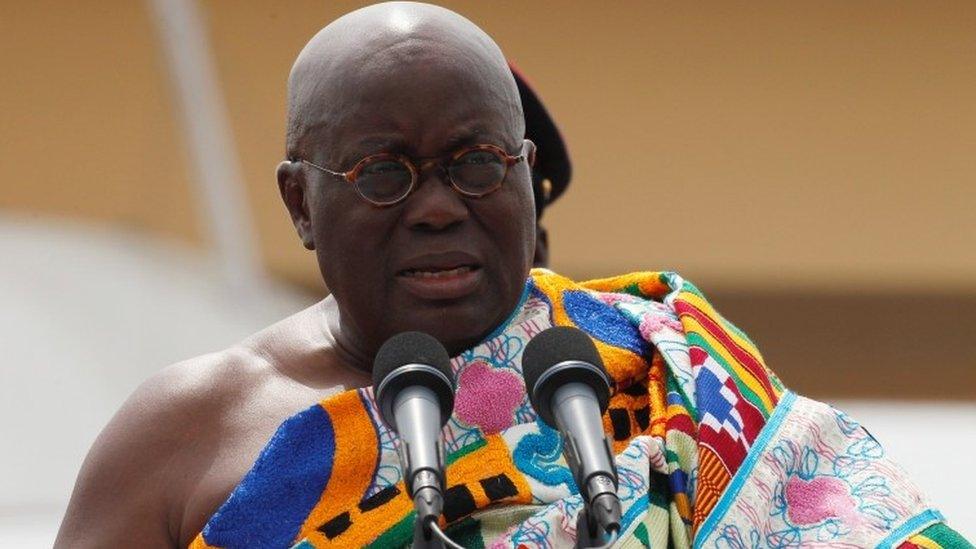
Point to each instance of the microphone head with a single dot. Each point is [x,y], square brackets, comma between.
[557,356]
[410,359]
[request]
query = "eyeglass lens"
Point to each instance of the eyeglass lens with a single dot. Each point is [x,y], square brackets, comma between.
[477,172]
[387,180]
[384,181]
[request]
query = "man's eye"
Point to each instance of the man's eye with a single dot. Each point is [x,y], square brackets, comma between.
[478,158]
[383,167]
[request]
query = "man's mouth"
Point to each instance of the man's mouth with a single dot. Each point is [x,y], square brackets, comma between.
[441,282]
[438,273]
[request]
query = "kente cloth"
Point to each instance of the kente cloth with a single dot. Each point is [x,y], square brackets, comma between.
[710,448]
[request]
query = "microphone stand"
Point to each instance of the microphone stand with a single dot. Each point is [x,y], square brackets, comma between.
[423,538]
[590,529]
[587,530]
[425,487]
[601,506]
[429,503]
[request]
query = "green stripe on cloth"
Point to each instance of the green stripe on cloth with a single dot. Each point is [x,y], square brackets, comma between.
[946,537]
[467,534]
[697,340]
[452,457]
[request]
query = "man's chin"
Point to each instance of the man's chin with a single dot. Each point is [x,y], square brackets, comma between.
[457,324]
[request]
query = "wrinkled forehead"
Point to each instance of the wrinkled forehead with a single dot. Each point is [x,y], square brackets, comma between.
[417,87]
[420,102]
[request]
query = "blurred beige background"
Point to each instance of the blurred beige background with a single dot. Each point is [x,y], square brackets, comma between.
[811,166]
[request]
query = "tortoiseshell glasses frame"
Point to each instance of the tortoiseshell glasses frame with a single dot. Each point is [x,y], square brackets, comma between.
[385,179]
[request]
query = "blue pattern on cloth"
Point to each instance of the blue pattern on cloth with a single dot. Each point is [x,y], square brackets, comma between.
[603,322]
[282,487]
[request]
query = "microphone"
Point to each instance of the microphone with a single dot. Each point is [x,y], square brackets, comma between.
[570,389]
[415,392]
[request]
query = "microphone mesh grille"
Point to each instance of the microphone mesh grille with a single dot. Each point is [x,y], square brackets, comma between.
[555,345]
[410,348]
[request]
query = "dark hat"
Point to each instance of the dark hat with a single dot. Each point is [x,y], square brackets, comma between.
[552,170]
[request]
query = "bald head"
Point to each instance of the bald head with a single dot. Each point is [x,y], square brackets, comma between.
[383,43]
[415,83]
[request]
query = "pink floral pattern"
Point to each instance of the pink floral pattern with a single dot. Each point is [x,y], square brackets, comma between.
[814,501]
[478,384]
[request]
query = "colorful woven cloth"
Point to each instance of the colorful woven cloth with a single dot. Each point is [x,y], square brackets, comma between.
[711,450]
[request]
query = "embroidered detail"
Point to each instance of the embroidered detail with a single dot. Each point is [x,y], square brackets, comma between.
[488,397]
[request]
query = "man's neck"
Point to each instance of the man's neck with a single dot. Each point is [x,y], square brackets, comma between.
[343,341]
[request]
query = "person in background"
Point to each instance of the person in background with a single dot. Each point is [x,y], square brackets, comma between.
[553,169]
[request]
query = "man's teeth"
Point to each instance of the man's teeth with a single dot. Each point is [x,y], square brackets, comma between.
[439,273]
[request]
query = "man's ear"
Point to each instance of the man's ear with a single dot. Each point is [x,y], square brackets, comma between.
[530,152]
[294,192]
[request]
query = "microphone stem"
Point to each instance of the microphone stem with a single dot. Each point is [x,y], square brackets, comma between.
[597,520]
[428,502]
[448,542]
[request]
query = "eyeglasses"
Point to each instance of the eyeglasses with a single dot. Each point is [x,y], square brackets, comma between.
[385,179]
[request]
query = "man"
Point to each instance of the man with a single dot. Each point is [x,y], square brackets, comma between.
[438,262]
[408,176]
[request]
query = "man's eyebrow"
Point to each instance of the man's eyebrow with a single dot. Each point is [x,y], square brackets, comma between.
[378,142]
[471,135]
[371,144]
[463,136]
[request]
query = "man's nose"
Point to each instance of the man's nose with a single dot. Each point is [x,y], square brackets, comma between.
[434,205]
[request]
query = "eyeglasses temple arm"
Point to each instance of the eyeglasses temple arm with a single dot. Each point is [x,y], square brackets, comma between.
[344,175]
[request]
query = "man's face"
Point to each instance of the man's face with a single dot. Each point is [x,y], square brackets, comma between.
[437,262]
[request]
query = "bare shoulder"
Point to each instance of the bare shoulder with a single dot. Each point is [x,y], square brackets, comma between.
[125,488]
[184,438]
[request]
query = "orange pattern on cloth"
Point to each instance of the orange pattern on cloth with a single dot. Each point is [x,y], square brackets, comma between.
[355,462]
